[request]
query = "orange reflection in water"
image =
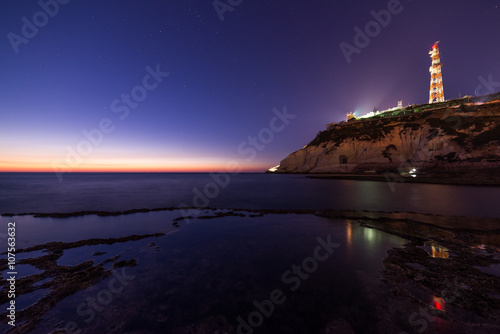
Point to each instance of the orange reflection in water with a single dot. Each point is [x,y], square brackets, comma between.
[439,252]
[349,234]
[435,250]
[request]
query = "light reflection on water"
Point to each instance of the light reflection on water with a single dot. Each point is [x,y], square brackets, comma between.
[435,250]
[220,266]
[42,192]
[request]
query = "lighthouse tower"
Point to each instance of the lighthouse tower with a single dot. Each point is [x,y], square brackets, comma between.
[436,93]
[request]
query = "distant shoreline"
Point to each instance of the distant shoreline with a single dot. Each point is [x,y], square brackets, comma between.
[483,180]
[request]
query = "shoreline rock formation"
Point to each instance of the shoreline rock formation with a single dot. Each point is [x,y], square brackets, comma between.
[453,137]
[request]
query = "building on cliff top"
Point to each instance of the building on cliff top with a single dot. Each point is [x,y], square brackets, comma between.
[436,92]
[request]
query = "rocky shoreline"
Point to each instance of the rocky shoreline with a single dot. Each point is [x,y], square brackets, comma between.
[443,272]
[62,281]
[454,138]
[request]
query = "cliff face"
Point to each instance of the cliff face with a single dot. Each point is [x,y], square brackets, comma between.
[455,136]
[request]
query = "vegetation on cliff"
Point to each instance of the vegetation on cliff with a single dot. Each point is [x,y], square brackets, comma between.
[457,136]
[455,117]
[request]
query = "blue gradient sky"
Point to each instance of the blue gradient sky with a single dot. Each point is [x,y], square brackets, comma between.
[225,77]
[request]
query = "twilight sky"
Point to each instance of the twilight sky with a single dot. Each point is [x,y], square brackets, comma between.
[164,85]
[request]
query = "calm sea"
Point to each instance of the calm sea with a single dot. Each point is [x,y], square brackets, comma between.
[42,192]
[213,273]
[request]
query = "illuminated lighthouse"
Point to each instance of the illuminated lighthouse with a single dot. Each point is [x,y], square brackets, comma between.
[436,93]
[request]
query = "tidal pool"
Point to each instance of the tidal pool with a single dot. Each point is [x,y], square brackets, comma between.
[275,273]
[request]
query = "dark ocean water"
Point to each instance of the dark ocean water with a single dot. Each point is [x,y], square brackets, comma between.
[210,273]
[215,269]
[42,192]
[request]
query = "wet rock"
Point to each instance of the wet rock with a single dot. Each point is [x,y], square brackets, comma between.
[125,263]
[66,280]
[338,326]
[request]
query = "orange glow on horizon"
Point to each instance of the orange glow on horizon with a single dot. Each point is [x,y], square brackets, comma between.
[141,166]
[176,162]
